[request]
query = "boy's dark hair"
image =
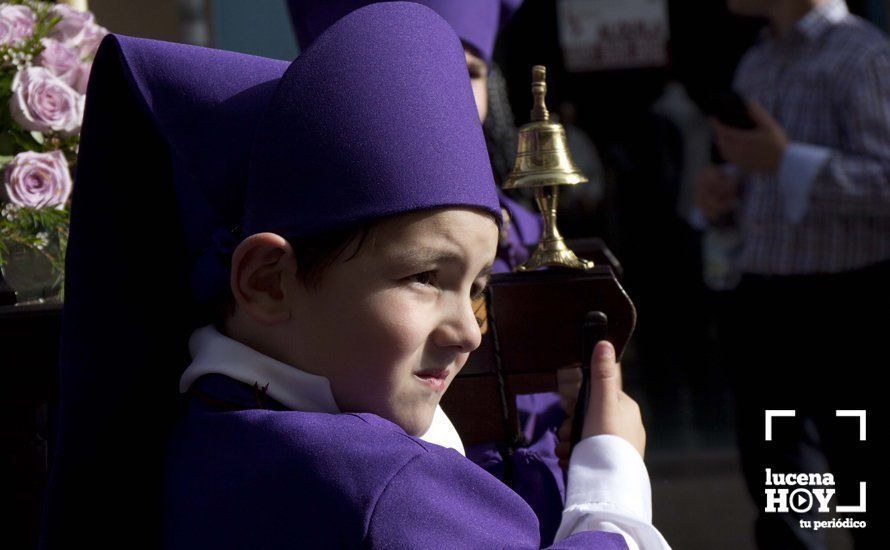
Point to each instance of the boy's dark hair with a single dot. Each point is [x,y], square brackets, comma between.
[314,255]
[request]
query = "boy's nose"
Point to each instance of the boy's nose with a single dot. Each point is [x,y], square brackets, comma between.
[460,328]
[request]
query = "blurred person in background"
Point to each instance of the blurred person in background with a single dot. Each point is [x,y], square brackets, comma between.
[808,188]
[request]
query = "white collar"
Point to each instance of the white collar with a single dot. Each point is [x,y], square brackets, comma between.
[214,353]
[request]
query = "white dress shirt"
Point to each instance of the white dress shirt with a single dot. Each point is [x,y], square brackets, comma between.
[608,487]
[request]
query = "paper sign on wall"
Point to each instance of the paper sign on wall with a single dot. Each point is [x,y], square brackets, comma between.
[613,34]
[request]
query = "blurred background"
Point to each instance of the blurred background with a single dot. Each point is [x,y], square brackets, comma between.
[633,103]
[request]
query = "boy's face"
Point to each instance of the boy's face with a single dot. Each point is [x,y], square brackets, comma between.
[391,327]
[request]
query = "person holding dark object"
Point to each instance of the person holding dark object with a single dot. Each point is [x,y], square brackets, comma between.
[808,186]
[287,437]
[536,464]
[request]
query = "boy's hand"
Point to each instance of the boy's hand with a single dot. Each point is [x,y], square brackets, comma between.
[609,410]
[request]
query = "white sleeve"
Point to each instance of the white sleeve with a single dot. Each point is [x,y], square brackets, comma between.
[608,490]
[798,169]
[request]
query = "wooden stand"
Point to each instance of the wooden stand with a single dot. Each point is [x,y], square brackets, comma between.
[533,328]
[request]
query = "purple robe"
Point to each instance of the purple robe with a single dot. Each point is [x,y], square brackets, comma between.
[272,478]
[521,234]
[536,476]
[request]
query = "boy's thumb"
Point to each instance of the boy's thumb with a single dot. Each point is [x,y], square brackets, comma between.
[605,386]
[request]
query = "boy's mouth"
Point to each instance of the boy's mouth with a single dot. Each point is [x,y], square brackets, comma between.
[434,378]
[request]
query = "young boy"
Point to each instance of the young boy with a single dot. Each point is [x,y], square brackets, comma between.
[370,222]
[535,465]
[390,204]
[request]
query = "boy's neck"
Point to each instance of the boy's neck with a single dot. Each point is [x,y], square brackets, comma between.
[239,329]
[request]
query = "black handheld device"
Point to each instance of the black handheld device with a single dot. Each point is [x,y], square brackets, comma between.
[730,109]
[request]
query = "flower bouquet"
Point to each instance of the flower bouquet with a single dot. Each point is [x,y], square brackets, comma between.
[46,52]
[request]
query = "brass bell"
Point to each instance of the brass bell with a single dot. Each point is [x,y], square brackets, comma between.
[543,164]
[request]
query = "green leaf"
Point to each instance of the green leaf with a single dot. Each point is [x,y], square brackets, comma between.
[5,159]
[38,137]
[7,144]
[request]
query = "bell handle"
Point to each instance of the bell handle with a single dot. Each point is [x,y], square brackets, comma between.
[539,93]
[547,199]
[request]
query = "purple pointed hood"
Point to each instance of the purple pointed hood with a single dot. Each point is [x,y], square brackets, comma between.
[376,118]
[476,22]
[162,162]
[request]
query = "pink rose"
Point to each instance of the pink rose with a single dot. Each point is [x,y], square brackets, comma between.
[77,30]
[41,102]
[70,26]
[60,60]
[16,24]
[83,77]
[37,180]
[90,38]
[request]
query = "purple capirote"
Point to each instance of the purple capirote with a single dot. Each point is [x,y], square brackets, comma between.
[376,118]
[161,164]
[476,22]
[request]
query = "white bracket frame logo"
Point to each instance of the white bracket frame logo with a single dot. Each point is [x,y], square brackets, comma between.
[790,413]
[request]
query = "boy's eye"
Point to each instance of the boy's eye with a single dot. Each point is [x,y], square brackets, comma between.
[428,278]
[425,278]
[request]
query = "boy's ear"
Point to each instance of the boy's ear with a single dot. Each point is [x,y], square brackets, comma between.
[261,266]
